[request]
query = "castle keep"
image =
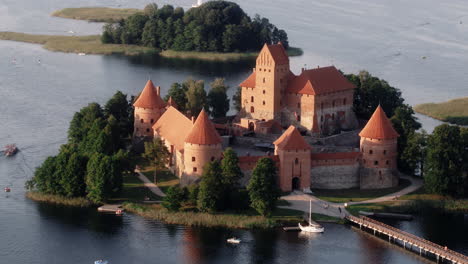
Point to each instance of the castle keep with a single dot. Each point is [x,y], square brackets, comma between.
[283,107]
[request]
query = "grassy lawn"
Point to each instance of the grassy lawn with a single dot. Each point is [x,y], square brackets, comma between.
[454,111]
[355,194]
[96,14]
[76,44]
[134,190]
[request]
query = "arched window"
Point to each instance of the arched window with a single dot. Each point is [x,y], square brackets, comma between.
[147,130]
[376,162]
[298,118]
[263,80]
[193,158]
[152,121]
[264,92]
[251,99]
[370,151]
[252,110]
[263,102]
[142,121]
[387,162]
[194,169]
[296,161]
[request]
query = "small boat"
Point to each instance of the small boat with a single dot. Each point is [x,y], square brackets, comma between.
[7,189]
[10,150]
[81,54]
[311,228]
[233,240]
[100,261]
[119,212]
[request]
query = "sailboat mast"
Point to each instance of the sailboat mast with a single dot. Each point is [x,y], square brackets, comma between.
[310,212]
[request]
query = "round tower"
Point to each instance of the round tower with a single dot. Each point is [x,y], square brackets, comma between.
[379,152]
[202,145]
[148,109]
[295,163]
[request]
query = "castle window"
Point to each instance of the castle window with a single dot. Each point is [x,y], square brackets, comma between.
[384,152]
[263,102]
[344,101]
[298,105]
[252,110]
[296,161]
[251,99]
[152,121]
[263,80]
[298,118]
[147,130]
[263,91]
[142,121]
[376,162]
[269,70]
[387,162]
[370,151]
[212,158]
[193,159]
[194,169]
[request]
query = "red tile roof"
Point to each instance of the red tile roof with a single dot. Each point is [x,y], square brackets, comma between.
[249,82]
[278,53]
[379,126]
[174,127]
[291,140]
[171,102]
[203,131]
[335,156]
[149,98]
[320,81]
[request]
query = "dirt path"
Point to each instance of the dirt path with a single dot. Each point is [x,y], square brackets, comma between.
[153,187]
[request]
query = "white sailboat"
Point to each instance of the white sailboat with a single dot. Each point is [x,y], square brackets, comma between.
[311,228]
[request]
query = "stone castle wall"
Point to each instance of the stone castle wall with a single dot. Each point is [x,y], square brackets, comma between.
[335,176]
[375,178]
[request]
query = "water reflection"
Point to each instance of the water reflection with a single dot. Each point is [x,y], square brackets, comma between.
[264,246]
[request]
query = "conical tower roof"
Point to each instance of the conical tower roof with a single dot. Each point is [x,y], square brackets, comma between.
[379,126]
[291,140]
[203,131]
[149,98]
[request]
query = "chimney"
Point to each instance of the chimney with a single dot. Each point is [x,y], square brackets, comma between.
[158,90]
[193,120]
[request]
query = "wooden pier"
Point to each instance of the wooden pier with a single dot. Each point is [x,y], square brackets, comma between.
[409,241]
[110,208]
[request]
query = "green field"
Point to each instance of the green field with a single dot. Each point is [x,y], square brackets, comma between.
[96,14]
[355,194]
[76,44]
[454,111]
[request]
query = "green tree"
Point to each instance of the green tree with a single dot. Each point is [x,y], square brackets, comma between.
[196,96]
[83,121]
[178,94]
[263,191]
[218,101]
[43,178]
[120,108]
[73,181]
[414,153]
[210,195]
[99,173]
[157,154]
[231,171]
[133,29]
[444,162]
[151,10]
[237,99]
[173,199]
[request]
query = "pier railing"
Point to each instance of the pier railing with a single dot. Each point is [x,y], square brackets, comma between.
[439,251]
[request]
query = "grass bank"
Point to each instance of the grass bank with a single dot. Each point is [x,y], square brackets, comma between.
[75,44]
[356,194]
[96,14]
[454,111]
[60,200]
[247,220]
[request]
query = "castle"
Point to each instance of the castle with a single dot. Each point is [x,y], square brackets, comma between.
[317,102]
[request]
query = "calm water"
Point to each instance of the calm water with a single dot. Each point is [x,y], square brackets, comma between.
[41,90]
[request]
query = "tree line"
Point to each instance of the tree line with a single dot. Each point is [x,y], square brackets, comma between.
[220,190]
[215,26]
[93,160]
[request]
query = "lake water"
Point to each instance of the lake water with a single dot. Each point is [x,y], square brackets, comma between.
[40,91]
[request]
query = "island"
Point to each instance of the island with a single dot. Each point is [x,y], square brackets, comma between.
[453,111]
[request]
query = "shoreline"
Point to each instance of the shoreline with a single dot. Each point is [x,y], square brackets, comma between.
[95,14]
[59,200]
[91,44]
[453,111]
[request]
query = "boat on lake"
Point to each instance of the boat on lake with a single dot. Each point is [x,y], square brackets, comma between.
[312,227]
[233,240]
[7,189]
[10,150]
[100,261]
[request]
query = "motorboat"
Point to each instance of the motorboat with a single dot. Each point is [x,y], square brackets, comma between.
[233,240]
[311,228]
[7,189]
[81,54]
[10,150]
[100,261]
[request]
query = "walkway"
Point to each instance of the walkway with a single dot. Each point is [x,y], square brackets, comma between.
[153,187]
[300,201]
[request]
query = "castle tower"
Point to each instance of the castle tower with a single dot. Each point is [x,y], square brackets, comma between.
[202,145]
[263,89]
[295,163]
[148,108]
[379,152]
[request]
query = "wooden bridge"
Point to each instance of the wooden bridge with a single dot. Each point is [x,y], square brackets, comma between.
[410,241]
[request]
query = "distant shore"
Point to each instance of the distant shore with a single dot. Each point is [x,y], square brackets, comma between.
[454,111]
[92,45]
[96,14]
